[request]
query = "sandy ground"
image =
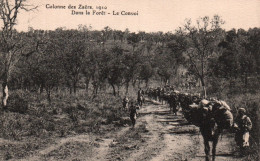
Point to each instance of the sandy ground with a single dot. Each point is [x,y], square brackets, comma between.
[158,136]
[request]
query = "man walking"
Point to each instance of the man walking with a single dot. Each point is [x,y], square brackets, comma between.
[125,102]
[140,97]
[133,113]
[243,125]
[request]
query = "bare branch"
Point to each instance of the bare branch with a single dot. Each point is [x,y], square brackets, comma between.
[29,7]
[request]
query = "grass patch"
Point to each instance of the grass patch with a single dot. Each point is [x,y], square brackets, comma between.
[65,115]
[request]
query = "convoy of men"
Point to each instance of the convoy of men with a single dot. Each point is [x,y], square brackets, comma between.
[210,115]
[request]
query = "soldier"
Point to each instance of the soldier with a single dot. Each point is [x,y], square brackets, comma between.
[243,125]
[140,96]
[125,102]
[133,113]
[140,92]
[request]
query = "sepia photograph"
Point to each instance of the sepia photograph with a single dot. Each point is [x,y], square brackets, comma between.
[129,80]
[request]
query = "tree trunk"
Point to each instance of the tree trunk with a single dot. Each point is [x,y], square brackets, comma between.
[204,88]
[127,86]
[5,94]
[41,88]
[96,92]
[204,91]
[48,94]
[75,87]
[202,76]
[134,82]
[146,83]
[95,88]
[70,90]
[118,90]
[87,84]
[114,89]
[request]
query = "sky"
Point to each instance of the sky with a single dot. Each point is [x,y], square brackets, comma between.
[153,15]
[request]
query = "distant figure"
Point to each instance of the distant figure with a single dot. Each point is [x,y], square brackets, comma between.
[133,113]
[140,97]
[242,125]
[125,102]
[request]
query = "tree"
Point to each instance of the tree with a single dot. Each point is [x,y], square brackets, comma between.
[72,48]
[11,44]
[146,72]
[176,46]
[133,39]
[115,67]
[118,35]
[49,72]
[240,55]
[203,39]
[106,33]
[131,62]
[141,35]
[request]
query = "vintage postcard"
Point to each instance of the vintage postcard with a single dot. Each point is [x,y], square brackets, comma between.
[106,80]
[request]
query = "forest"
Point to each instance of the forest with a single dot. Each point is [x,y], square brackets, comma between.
[47,61]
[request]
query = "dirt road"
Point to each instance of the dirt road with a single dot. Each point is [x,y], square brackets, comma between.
[158,136]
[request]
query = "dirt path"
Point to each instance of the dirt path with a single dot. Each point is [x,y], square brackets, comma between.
[225,149]
[158,136]
[170,140]
[169,137]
